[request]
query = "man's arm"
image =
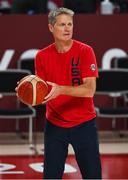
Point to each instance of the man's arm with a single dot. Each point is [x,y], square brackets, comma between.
[87,89]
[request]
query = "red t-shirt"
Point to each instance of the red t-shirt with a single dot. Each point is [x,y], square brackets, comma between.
[68,69]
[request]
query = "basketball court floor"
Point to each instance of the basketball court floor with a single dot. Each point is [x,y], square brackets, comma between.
[18,161]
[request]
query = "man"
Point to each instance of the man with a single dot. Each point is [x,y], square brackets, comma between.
[70,69]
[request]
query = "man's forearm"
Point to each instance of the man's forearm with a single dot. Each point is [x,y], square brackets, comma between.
[78,91]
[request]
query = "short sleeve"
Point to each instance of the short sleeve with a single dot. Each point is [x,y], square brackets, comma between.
[88,62]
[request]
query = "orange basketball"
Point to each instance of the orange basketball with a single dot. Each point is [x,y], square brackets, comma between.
[32,90]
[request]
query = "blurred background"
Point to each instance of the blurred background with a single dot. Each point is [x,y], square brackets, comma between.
[23,31]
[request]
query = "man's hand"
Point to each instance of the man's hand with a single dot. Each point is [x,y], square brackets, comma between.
[55,91]
[87,89]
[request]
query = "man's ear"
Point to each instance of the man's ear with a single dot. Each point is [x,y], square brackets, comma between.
[50,28]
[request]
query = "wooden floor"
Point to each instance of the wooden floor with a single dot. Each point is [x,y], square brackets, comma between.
[31,167]
[18,161]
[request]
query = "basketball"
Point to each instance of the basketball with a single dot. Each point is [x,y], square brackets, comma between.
[32,90]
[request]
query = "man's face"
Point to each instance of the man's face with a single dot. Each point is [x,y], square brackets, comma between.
[63,28]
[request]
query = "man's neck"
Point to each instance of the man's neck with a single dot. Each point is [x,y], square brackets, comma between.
[63,47]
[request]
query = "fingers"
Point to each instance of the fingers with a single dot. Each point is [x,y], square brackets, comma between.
[50,94]
[50,83]
[17,85]
[16,91]
[44,102]
[53,93]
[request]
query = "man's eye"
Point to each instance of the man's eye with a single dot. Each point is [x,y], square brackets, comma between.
[70,24]
[62,24]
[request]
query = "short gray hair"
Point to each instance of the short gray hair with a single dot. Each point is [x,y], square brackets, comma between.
[56,12]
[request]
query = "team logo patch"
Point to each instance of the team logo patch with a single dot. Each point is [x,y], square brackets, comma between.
[93,67]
